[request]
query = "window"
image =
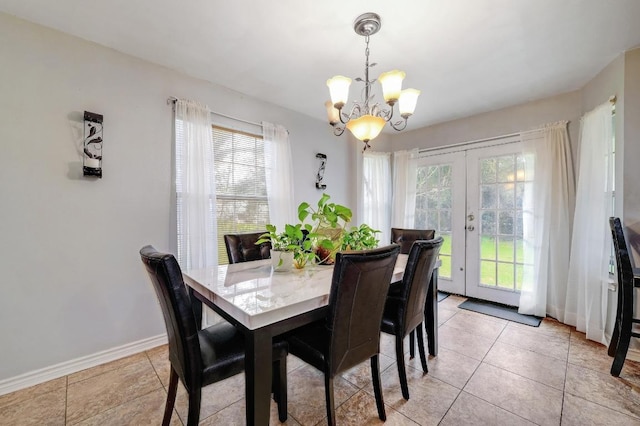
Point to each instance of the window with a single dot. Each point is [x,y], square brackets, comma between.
[241,190]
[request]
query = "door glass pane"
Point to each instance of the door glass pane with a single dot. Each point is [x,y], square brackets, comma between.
[505,222]
[506,196]
[487,273]
[488,222]
[506,278]
[505,249]
[519,276]
[501,190]
[506,169]
[489,198]
[445,198]
[488,170]
[433,207]
[445,221]
[488,248]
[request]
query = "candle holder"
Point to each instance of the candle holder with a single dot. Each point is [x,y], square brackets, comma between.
[92,158]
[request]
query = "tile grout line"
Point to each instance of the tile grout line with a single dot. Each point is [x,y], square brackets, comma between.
[66,397]
[490,403]
[564,384]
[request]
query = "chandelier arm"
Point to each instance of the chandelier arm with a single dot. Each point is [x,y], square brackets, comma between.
[355,109]
[399,125]
[338,130]
[379,112]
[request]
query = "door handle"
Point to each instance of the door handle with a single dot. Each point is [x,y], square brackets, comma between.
[470,228]
[471,217]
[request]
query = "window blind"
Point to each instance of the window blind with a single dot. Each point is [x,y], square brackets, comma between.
[241,190]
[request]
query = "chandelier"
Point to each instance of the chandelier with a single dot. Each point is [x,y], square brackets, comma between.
[366,120]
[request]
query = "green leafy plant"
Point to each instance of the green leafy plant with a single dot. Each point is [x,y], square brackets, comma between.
[286,240]
[361,237]
[329,221]
[292,239]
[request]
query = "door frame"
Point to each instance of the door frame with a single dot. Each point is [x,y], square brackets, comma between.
[459,263]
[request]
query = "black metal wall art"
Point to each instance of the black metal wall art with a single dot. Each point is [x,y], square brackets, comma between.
[320,174]
[92,158]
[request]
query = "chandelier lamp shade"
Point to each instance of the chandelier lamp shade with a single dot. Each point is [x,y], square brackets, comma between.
[365,120]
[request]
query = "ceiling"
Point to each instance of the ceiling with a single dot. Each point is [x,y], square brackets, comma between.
[466,56]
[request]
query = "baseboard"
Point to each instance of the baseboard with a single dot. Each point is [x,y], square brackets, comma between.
[68,367]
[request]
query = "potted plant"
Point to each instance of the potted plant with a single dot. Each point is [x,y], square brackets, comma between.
[283,245]
[329,221]
[361,237]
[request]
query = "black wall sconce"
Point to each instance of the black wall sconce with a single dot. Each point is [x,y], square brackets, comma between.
[320,174]
[92,158]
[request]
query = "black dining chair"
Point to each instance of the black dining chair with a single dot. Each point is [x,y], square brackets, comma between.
[200,357]
[404,312]
[241,247]
[627,283]
[350,333]
[406,237]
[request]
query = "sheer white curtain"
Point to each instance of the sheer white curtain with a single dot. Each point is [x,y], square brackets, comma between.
[586,305]
[547,206]
[195,186]
[403,206]
[279,175]
[376,193]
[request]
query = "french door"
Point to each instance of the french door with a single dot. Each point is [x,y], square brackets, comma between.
[473,198]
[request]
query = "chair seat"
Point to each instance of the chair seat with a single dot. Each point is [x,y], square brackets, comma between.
[395,289]
[223,350]
[310,342]
[391,316]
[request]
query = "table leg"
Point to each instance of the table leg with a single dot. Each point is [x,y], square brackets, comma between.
[258,366]
[196,306]
[431,314]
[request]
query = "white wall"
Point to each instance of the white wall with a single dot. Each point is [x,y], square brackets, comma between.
[72,281]
[505,121]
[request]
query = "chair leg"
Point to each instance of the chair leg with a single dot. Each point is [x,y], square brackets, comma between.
[623,344]
[377,388]
[195,396]
[280,370]
[275,380]
[328,389]
[412,345]
[423,355]
[402,372]
[615,337]
[171,397]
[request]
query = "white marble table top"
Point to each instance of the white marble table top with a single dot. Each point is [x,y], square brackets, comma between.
[256,296]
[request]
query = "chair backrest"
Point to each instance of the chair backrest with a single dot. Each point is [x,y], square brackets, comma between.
[359,289]
[415,281]
[243,248]
[623,260]
[406,237]
[179,320]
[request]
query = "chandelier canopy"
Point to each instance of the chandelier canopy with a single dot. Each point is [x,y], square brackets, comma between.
[366,120]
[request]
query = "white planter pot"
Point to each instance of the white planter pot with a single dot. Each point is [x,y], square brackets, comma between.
[281,261]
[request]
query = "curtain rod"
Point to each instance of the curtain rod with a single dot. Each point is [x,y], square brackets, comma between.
[173,99]
[456,145]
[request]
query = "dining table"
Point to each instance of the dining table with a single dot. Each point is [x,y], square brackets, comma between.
[263,304]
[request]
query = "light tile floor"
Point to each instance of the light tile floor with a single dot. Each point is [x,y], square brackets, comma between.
[488,371]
